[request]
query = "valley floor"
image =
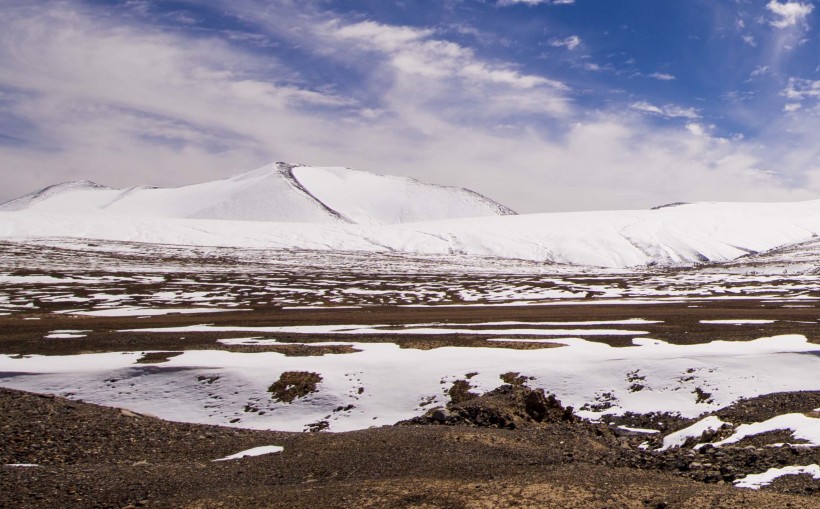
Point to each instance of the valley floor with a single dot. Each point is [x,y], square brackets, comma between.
[684,384]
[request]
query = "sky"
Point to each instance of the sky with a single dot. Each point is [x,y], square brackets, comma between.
[542,105]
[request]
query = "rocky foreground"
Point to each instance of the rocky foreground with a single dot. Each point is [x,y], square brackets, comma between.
[512,447]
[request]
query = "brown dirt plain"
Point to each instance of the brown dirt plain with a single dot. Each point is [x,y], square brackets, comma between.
[90,456]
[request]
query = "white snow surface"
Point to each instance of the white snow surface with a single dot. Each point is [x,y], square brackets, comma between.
[397,383]
[756,481]
[737,322]
[802,427]
[678,438]
[367,198]
[616,239]
[256,451]
[140,311]
[276,192]
[640,430]
[389,329]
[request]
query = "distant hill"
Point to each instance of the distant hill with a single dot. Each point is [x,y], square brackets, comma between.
[283,206]
[278,192]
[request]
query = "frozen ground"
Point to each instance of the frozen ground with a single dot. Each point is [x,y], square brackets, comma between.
[312,340]
[380,383]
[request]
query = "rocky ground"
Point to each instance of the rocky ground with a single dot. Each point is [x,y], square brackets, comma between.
[91,456]
[511,447]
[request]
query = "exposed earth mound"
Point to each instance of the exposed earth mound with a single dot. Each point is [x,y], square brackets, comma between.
[508,406]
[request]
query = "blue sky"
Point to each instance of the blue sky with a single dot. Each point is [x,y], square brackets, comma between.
[548,105]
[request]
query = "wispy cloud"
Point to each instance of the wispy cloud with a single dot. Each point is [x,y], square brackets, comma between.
[571,42]
[759,71]
[668,110]
[662,76]
[799,89]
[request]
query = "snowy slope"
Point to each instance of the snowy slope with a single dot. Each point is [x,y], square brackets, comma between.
[81,196]
[674,235]
[271,193]
[367,198]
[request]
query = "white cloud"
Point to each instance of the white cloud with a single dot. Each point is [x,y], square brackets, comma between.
[127,105]
[750,40]
[415,51]
[668,111]
[759,70]
[386,37]
[799,89]
[662,76]
[792,107]
[696,129]
[571,42]
[788,13]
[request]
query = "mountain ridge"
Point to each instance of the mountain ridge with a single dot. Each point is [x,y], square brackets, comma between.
[274,192]
[297,207]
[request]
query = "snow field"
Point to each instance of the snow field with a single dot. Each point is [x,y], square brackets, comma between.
[615,239]
[385,383]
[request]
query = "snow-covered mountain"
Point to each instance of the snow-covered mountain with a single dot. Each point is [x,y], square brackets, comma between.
[286,207]
[278,192]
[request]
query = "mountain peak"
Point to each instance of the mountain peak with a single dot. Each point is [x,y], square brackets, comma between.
[279,192]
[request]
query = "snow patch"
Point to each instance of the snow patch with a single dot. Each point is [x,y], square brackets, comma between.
[678,438]
[256,451]
[738,322]
[756,481]
[802,426]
